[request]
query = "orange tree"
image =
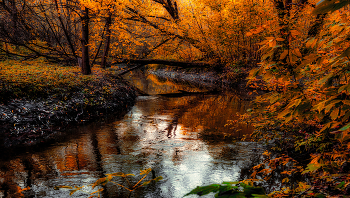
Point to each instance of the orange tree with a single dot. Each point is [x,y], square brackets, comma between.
[306,111]
[187,31]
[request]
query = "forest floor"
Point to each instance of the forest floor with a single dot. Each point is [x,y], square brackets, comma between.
[39,101]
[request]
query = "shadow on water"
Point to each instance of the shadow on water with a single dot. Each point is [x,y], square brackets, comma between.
[184,139]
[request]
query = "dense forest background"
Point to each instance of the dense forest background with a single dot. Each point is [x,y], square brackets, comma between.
[116,31]
[297,51]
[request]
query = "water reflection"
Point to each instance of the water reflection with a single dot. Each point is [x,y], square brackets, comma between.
[181,139]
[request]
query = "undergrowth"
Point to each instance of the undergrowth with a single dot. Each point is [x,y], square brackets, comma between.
[38,78]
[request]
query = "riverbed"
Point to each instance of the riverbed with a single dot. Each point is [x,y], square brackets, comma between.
[177,129]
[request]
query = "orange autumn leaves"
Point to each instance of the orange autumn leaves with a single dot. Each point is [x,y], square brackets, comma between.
[311,113]
[204,30]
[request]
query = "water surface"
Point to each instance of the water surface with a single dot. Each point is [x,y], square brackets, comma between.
[183,139]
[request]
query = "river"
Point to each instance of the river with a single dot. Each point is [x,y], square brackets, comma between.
[184,139]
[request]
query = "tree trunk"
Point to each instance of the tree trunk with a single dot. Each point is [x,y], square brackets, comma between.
[66,33]
[14,22]
[108,40]
[85,66]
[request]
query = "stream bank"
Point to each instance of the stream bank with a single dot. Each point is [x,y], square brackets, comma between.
[32,121]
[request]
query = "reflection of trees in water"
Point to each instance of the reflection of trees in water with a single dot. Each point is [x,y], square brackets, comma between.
[20,173]
[179,111]
[211,114]
[76,158]
[196,111]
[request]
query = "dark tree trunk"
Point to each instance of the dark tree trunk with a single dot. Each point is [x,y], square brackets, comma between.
[108,40]
[85,66]
[66,33]
[14,21]
[14,18]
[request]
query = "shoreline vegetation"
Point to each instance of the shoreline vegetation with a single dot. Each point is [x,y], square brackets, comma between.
[40,100]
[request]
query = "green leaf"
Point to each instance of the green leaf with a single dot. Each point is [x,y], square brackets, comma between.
[250,190]
[320,195]
[203,190]
[345,127]
[340,185]
[230,183]
[262,196]
[231,195]
[158,178]
[312,168]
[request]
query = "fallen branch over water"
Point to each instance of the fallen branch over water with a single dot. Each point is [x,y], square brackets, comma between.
[185,93]
[167,62]
[131,69]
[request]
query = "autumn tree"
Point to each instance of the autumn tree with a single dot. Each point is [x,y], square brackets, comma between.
[306,112]
[199,31]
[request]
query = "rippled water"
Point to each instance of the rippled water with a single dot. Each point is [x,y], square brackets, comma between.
[183,139]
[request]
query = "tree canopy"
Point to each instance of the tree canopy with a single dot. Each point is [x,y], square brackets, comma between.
[191,31]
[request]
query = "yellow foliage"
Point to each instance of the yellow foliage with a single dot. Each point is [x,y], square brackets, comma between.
[39,77]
